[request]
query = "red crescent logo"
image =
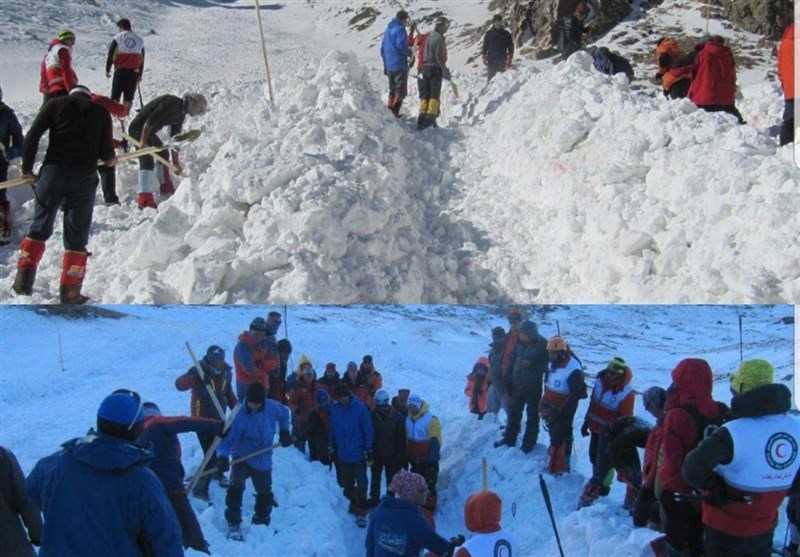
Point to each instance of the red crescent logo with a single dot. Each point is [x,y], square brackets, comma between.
[778,450]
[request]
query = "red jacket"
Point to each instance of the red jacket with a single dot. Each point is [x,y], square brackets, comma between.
[253,360]
[714,80]
[56,73]
[650,461]
[786,62]
[692,379]
[508,349]
[201,405]
[114,108]
[302,399]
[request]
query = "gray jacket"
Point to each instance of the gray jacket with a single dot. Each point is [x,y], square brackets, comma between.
[436,52]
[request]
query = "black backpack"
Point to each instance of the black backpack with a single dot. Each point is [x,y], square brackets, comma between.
[707,426]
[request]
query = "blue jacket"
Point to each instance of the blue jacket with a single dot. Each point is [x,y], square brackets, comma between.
[10,134]
[394,47]
[99,497]
[160,437]
[397,528]
[251,431]
[351,430]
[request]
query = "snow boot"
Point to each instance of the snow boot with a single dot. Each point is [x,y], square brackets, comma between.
[73,269]
[145,200]
[5,223]
[166,186]
[631,494]
[30,253]
[235,532]
[591,492]
[263,508]
[557,462]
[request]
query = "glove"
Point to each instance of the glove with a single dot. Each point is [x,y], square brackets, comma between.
[446,74]
[108,74]
[455,541]
[223,465]
[485,60]
[284,346]
[585,430]
[13,153]
[285,438]
[368,456]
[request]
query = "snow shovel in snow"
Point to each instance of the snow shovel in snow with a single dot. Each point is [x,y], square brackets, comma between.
[549,505]
[212,449]
[123,157]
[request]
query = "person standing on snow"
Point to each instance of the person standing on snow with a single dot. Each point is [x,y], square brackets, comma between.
[329,379]
[217,375]
[523,381]
[350,443]
[252,359]
[371,377]
[395,53]
[11,141]
[302,399]
[786,76]
[646,508]
[80,134]
[747,466]
[573,27]
[98,495]
[673,70]
[126,54]
[691,403]
[160,436]
[252,430]
[20,521]
[714,78]
[108,174]
[482,513]
[389,446]
[57,78]
[477,389]
[424,433]
[166,110]
[398,528]
[497,398]
[434,70]
[497,52]
[613,397]
[564,387]
[319,427]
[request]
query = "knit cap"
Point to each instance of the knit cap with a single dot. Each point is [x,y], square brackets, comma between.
[752,374]
[123,408]
[654,397]
[414,400]
[409,486]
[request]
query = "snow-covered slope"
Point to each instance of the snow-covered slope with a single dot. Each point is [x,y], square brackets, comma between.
[79,359]
[552,183]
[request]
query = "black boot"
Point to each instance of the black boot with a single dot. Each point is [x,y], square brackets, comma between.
[23,281]
[422,120]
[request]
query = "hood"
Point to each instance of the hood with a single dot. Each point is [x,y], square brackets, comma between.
[615,387]
[392,502]
[422,410]
[482,361]
[693,380]
[303,360]
[104,452]
[482,512]
[788,35]
[395,24]
[249,339]
[762,401]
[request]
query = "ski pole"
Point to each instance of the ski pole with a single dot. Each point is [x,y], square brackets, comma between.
[549,505]
[485,473]
[741,350]
[210,390]
[139,90]
[212,449]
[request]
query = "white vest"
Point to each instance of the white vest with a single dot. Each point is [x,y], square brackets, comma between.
[129,42]
[766,453]
[417,430]
[494,544]
[608,399]
[51,59]
[557,379]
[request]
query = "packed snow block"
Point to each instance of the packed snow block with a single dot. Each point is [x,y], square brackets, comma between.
[162,241]
[634,242]
[198,277]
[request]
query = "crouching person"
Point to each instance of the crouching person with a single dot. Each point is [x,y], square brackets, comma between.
[482,513]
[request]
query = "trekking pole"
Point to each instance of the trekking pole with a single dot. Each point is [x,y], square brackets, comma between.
[558,328]
[741,349]
[549,505]
[264,50]
[485,473]
[241,459]
[139,90]
[212,449]
[708,14]
[210,390]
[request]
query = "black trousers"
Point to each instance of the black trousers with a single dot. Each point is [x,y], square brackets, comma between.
[524,398]
[682,523]
[719,544]
[262,482]
[787,128]
[493,67]
[398,83]
[123,85]
[190,527]
[379,465]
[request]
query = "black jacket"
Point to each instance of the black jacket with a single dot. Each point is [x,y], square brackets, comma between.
[80,133]
[497,44]
[10,131]
[16,511]
[166,110]
[390,435]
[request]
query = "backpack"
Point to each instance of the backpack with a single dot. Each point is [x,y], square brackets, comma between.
[706,426]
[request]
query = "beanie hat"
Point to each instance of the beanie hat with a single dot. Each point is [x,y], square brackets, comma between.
[65,34]
[215,351]
[409,486]
[616,365]
[497,17]
[151,409]
[341,391]
[367,359]
[402,15]
[124,23]
[330,366]
[556,343]
[256,393]
[752,374]
[529,328]
[322,396]
[381,398]
[654,397]
[414,400]
[258,324]
[352,366]
[80,90]
[121,415]
[498,334]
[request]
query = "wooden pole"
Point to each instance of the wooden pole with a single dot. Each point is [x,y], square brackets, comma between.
[264,51]
[156,156]
[210,452]
[485,473]
[246,457]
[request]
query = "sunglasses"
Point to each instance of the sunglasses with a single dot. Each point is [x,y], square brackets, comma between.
[138,400]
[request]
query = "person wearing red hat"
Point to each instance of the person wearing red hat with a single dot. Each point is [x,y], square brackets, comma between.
[482,513]
[98,495]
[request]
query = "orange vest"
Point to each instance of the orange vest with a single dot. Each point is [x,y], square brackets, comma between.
[786,62]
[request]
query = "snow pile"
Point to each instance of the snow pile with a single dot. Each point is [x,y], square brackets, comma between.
[608,194]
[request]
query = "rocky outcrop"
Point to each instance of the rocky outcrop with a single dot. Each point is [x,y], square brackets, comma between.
[765,17]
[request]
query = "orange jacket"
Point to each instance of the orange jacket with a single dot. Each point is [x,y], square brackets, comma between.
[670,73]
[477,388]
[786,62]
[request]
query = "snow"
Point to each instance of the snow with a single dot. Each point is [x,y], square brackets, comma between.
[80,358]
[323,197]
